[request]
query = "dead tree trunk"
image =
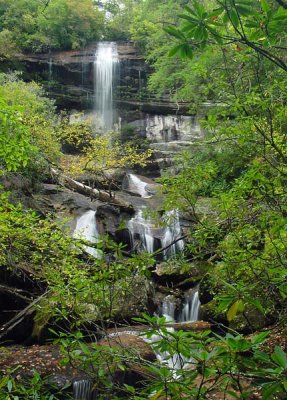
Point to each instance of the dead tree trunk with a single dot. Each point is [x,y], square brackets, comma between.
[79,187]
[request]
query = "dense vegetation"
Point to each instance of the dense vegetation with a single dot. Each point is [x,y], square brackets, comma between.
[40,26]
[232,54]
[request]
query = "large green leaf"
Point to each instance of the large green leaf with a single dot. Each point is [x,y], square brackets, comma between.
[174,32]
[279,357]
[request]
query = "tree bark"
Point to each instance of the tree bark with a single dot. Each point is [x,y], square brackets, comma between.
[177,326]
[70,183]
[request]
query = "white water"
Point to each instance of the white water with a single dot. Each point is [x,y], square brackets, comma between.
[138,185]
[144,233]
[168,308]
[105,65]
[191,306]
[172,232]
[141,232]
[50,64]
[82,389]
[189,313]
[86,228]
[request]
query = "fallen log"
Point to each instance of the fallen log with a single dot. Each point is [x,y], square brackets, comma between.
[21,294]
[79,187]
[196,326]
[18,318]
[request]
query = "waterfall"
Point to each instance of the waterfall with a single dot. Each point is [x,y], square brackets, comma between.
[189,313]
[50,68]
[138,185]
[82,390]
[146,233]
[168,308]
[191,306]
[86,228]
[172,232]
[141,232]
[106,60]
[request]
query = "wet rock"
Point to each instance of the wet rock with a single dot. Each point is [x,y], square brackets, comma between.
[209,313]
[180,275]
[249,320]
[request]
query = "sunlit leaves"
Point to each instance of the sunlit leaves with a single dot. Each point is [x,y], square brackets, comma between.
[15,143]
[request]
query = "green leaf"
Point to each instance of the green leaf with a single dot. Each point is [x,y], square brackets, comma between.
[233,17]
[199,8]
[192,21]
[174,50]
[283,290]
[9,386]
[85,349]
[269,390]
[174,32]
[265,6]
[279,357]
[260,337]
[257,304]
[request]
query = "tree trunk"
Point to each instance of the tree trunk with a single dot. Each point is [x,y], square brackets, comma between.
[70,183]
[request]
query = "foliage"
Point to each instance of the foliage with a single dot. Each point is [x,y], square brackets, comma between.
[58,24]
[15,148]
[216,365]
[30,389]
[103,154]
[8,48]
[78,290]
[29,125]
[247,235]
[119,16]
[75,136]
[255,24]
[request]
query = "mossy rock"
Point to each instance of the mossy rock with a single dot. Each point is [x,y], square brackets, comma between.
[249,321]
[208,312]
[180,274]
[206,289]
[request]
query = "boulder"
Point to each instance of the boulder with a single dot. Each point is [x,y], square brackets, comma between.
[132,343]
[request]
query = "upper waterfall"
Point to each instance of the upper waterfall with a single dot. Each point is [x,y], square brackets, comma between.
[105,67]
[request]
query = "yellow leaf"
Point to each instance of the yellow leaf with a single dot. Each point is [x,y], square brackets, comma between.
[236,306]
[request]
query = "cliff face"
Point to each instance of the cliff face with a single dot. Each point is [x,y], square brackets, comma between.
[68,77]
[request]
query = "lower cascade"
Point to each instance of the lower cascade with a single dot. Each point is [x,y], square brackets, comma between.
[150,237]
[189,313]
[191,306]
[86,228]
[82,390]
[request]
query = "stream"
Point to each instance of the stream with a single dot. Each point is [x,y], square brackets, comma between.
[168,134]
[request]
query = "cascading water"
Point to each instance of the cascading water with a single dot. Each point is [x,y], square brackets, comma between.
[146,234]
[191,306]
[189,313]
[141,232]
[168,308]
[82,389]
[105,67]
[86,228]
[172,232]
[138,185]
[50,68]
